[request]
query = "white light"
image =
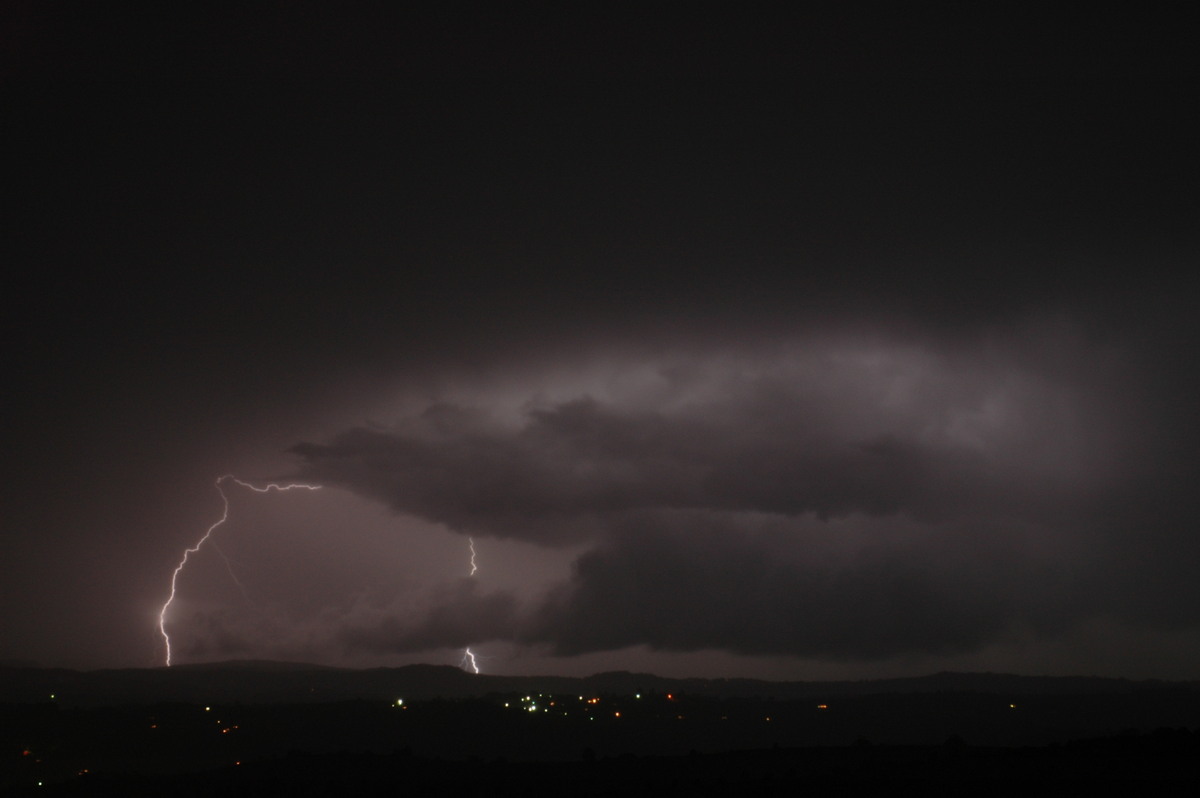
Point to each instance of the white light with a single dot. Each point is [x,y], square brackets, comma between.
[162,614]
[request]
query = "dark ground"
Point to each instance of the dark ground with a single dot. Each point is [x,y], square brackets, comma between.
[941,734]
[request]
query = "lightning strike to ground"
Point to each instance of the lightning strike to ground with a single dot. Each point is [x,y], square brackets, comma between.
[162,614]
[468,657]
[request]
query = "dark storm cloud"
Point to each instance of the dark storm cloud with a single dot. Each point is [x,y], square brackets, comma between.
[872,430]
[755,585]
[841,497]
[582,460]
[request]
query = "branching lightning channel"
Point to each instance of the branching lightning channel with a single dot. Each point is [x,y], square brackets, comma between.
[162,614]
[474,567]
[229,568]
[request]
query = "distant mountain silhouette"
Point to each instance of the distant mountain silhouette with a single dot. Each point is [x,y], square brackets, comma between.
[261,682]
[318,728]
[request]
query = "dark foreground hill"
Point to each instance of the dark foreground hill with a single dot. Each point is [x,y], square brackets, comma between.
[257,728]
[256,682]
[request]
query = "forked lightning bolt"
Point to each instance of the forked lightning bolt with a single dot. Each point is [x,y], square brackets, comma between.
[162,614]
[474,567]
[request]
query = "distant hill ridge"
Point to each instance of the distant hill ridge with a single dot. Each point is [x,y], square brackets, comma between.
[263,682]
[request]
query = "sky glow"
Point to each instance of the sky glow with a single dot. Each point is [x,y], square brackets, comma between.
[795,344]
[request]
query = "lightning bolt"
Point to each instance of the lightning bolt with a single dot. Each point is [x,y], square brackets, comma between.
[162,614]
[468,659]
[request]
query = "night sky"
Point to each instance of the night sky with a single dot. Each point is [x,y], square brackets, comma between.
[838,342]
